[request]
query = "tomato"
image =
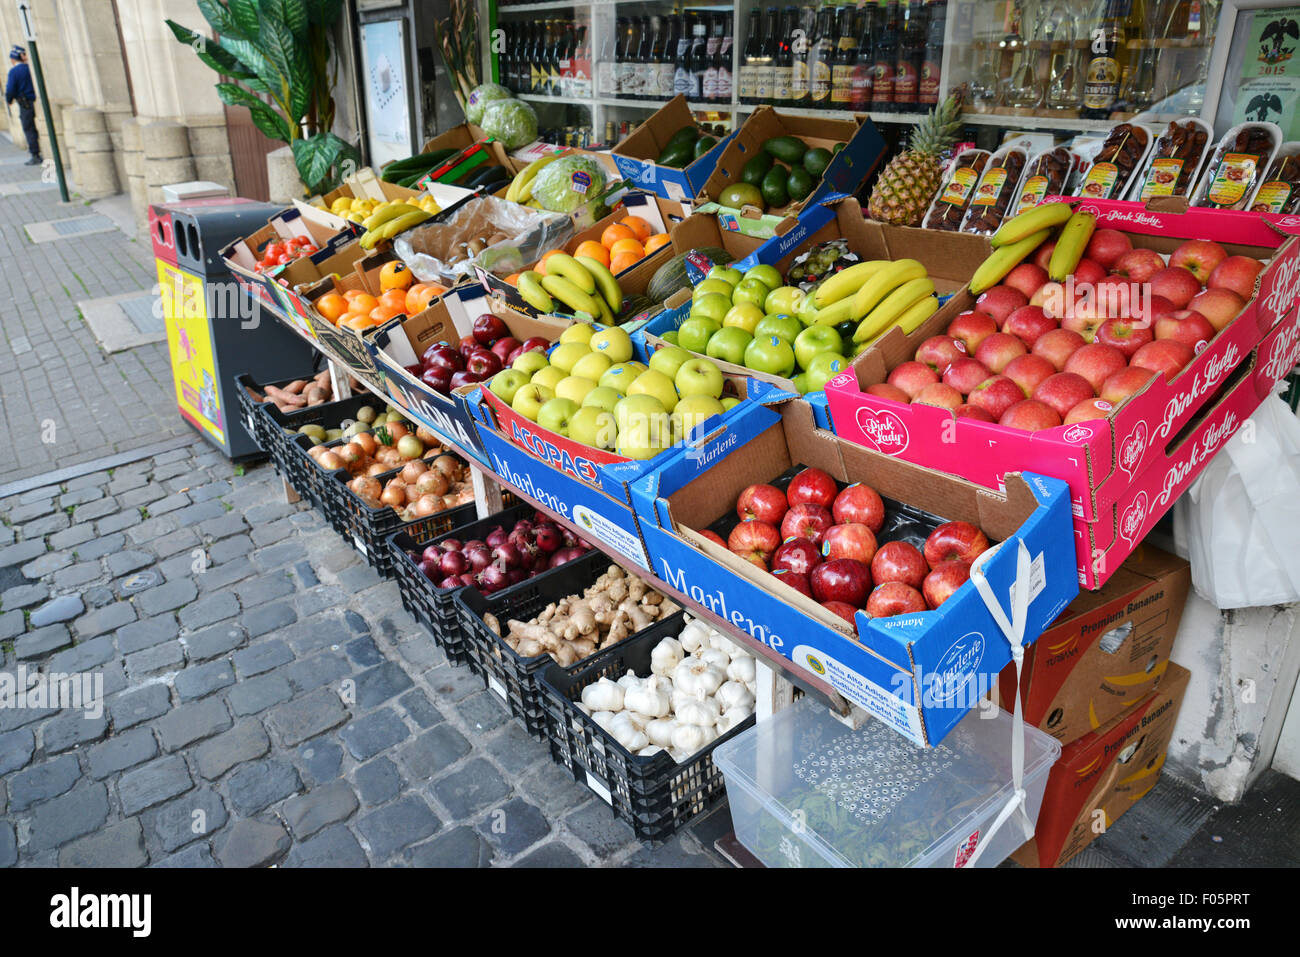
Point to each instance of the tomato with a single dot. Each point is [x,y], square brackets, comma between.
[285,259]
[308,248]
[274,251]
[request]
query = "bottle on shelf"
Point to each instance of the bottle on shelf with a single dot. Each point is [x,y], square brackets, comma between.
[820,53]
[553,56]
[581,64]
[699,58]
[1102,76]
[1063,74]
[911,52]
[1023,90]
[886,57]
[682,75]
[1138,90]
[800,44]
[642,65]
[709,75]
[930,88]
[724,60]
[564,60]
[751,58]
[763,92]
[664,57]
[783,58]
[846,46]
[606,66]
[862,84]
[629,75]
[651,47]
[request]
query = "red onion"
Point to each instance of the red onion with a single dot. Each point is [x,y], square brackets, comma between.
[548,536]
[474,543]
[453,563]
[493,578]
[432,554]
[431,570]
[467,580]
[451,545]
[451,581]
[564,555]
[524,526]
[479,558]
[496,537]
[508,554]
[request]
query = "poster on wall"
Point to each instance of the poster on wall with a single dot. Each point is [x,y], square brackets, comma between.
[386,76]
[1270,71]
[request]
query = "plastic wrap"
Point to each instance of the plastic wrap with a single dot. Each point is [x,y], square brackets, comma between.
[1174,162]
[1047,175]
[1122,154]
[1237,167]
[998,186]
[949,206]
[1280,190]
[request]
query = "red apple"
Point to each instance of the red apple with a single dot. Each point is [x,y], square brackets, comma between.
[806,521]
[1096,363]
[1176,284]
[999,349]
[1237,274]
[796,555]
[939,395]
[712,536]
[966,411]
[1030,416]
[854,541]
[1166,356]
[1124,383]
[1000,302]
[843,580]
[965,374]
[1220,305]
[912,377]
[843,609]
[1085,321]
[996,394]
[437,380]
[812,486]
[946,578]
[1053,297]
[1088,410]
[464,377]
[1124,335]
[894,598]
[1139,265]
[502,349]
[483,363]
[1028,323]
[1152,308]
[955,542]
[1028,372]
[796,581]
[1089,272]
[861,504]
[764,502]
[754,541]
[1027,278]
[1057,346]
[488,328]
[1200,257]
[899,562]
[883,390]
[534,344]
[1117,298]
[1043,255]
[972,328]
[939,352]
[1188,327]
[1106,247]
[1064,391]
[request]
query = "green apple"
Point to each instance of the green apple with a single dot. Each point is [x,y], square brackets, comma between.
[635,408]
[815,340]
[728,344]
[711,306]
[528,401]
[565,357]
[695,333]
[691,411]
[594,427]
[530,363]
[699,377]
[824,367]
[591,366]
[645,436]
[784,299]
[619,377]
[730,402]
[751,291]
[807,312]
[726,274]
[765,274]
[656,384]
[602,397]
[579,332]
[614,343]
[743,315]
[506,383]
[555,414]
[801,383]
[574,388]
[669,360]
[670,337]
[711,287]
[770,354]
[550,377]
[779,324]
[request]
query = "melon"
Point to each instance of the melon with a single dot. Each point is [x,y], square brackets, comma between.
[672,275]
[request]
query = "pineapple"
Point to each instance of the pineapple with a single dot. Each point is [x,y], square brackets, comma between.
[909,183]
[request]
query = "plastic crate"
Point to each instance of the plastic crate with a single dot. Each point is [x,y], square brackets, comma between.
[511,677]
[256,415]
[654,794]
[312,482]
[435,607]
[284,426]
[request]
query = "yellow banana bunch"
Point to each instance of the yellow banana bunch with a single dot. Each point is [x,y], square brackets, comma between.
[882,283]
[1004,259]
[521,187]
[1070,246]
[1023,225]
[391,227]
[893,307]
[530,288]
[846,282]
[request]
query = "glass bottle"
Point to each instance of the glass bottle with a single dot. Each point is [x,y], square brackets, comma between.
[606,75]
[644,65]
[864,63]
[725,57]
[1102,76]
[846,52]
[666,59]
[766,57]
[929,90]
[699,58]
[1023,90]
[709,77]
[1064,89]
[800,43]
[911,50]
[749,60]
[582,64]
[882,95]
[820,53]
[783,59]
[1139,88]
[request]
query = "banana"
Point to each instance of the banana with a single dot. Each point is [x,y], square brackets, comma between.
[1042,216]
[569,294]
[882,283]
[892,308]
[390,212]
[524,178]
[394,226]
[918,313]
[605,281]
[530,288]
[1071,245]
[847,281]
[564,265]
[835,313]
[1005,259]
[606,316]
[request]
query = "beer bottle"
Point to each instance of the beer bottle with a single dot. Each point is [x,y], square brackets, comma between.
[1102,76]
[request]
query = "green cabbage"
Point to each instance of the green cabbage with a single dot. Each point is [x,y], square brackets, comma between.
[567,183]
[479,99]
[513,122]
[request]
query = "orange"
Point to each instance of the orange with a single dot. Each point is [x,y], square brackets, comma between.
[628,246]
[382,314]
[351,294]
[363,302]
[613,234]
[513,279]
[331,306]
[357,322]
[551,253]
[593,249]
[540,266]
[657,241]
[420,295]
[394,299]
[623,261]
[640,228]
[395,275]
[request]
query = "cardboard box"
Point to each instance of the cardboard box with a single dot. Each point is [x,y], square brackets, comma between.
[635,156]
[1108,461]
[1103,774]
[1109,649]
[918,673]
[241,256]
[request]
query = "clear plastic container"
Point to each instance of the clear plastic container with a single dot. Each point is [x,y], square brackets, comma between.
[808,791]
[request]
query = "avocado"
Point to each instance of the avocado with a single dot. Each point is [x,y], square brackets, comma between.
[756,169]
[687,134]
[741,194]
[676,155]
[774,188]
[815,162]
[799,184]
[836,148]
[788,149]
[704,144]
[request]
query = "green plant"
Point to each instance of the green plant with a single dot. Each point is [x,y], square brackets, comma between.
[457,40]
[277,60]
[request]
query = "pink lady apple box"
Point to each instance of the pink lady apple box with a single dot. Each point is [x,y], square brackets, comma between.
[1155,443]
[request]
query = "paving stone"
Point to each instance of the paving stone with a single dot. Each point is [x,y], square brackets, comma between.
[515,750]
[120,845]
[671,853]
[47,563]
[16,749]
[24,596]
[433,751]
[11,625]
[364,652]
[260,784]
[100,547]
[354,621]
[253,695]
[253,843]
[266,618]
[211,490]
[21,553]
[417,705]
[358,578]
[151,784]
[8,845]
[261,657]
[214,641]
[275,556]
[82,656]
[308,716]
[122,751]
[134,498]
[72,537]
[378,781]
[230,548]
[272,532]
[45,526]
[245,741]
[335,846]
[378,684]
[125,562]
[106,619]
[63,608]
[198,814]
[308,813]
[192,722]
[97,596]
[595,825]
[178,566]
[74,576]
[313,634]
[43,781]
[133,707]
[265,587]
[554,856]
[223,526]
[58,821]
[166,597]
[145,633]
[165,657]
[306,575]
[25,513]
[451,684]
[366,737]
[219,578]
[169,504]
[460,847]
[552,787]
[100,508]
[71,729]
[42,641]
[199,681]
[402,823]
[197,513]
[118,522]
[484,711]
[514,827]
[321,761]
[471,788]
[209,610]
[196,855]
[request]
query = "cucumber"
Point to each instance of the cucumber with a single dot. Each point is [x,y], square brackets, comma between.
[788,149]
[487,175]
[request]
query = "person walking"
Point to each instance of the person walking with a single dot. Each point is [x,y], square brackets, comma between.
[19,87]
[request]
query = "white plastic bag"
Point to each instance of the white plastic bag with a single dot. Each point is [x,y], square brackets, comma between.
[1237,522]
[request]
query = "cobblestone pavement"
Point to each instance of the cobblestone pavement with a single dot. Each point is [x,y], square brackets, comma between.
[51,367]
[266,699]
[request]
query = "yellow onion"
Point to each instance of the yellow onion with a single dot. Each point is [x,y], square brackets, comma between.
[367,442]
[412,470]
[366,487]
[329,460]
[448,466]
[432,482]
[376,468]
[427,505]
[394,494]
[316,450]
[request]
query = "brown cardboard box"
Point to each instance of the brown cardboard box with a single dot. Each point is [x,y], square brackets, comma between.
[1103,774]
[1108,650]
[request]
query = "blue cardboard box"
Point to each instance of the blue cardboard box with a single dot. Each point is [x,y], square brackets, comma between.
[635,156]
[919,673]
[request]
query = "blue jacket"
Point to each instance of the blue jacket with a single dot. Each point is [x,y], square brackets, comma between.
[19,86]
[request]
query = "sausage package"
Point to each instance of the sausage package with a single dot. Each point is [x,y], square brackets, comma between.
[1175,161]
[997,188]
[950,205]
[1280,190]
[1238,166]
[1122,154]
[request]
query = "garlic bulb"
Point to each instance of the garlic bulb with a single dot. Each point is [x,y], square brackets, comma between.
[660,731]
[732,718]
[697,678]
[604,718]
[741,669]
[718,659]
[666,656]
[603,695]
[734,694]
[638,720]
[649,698]
[689,738]
[693,637]
[584,709]
[702,712]
[722,643]
[629,680]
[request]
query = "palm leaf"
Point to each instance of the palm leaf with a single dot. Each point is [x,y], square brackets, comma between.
[219,18]
[245,13]
[271,123]
[269,77]
[210,53]
[292,13]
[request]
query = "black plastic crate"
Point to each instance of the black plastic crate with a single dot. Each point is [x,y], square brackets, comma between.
[286,452]
[655,794]
[435,607]
[256,415]
[309,480]
[510,676]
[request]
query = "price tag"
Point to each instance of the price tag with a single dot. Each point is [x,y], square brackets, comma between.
[360,545]
[595,784]
[498,687]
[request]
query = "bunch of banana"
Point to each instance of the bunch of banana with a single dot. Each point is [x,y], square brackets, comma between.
[1024,225]
[521,187]
[1022,234]
[389,221]
[582,284]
